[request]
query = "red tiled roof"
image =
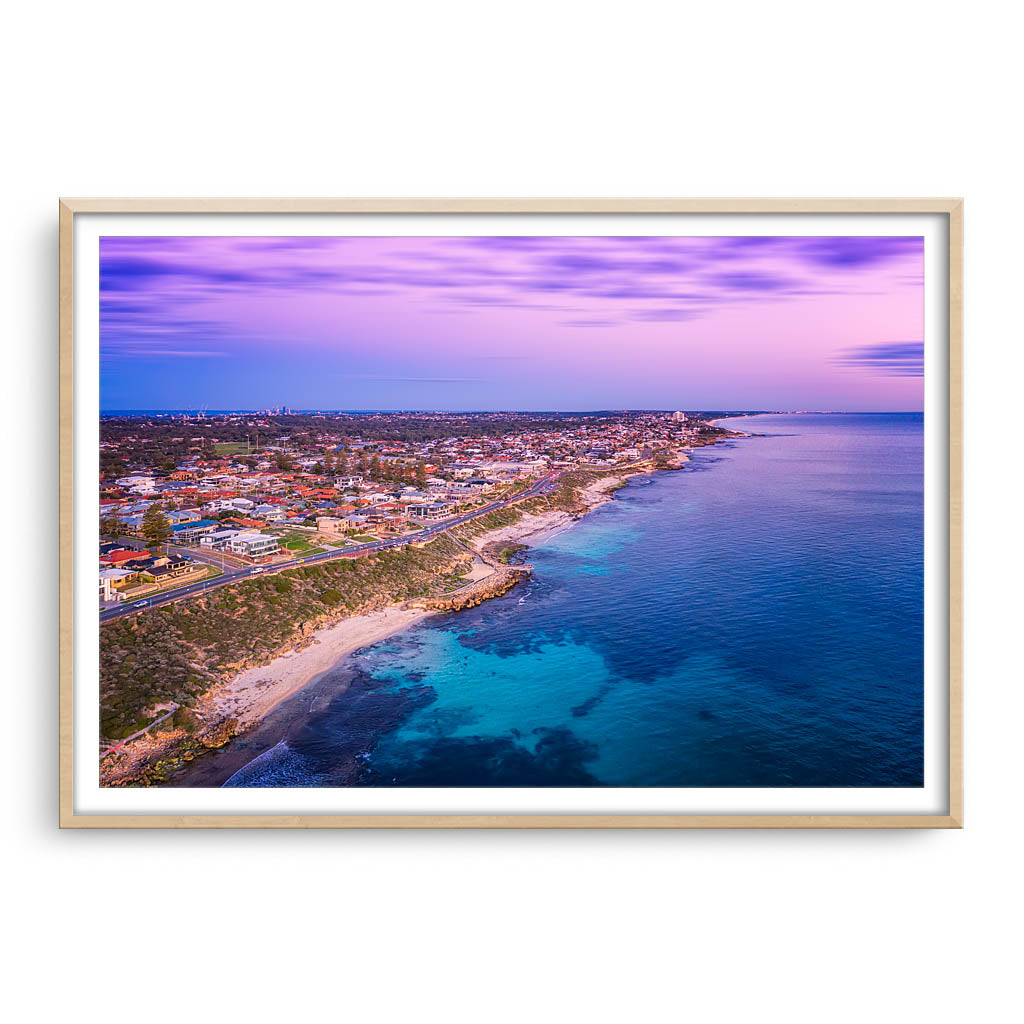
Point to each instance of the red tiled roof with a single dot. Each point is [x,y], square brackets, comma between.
[123,555]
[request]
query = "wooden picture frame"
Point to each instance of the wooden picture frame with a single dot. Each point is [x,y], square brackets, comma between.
[952,209]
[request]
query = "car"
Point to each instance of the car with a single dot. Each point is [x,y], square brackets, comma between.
[258,569]
[141,604]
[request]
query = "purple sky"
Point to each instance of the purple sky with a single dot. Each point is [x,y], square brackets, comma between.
[512,323]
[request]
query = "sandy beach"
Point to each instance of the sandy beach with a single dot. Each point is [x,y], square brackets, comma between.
[252,694]
[536,526]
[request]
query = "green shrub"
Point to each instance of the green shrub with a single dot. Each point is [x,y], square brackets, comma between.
[184,719]
[331,597]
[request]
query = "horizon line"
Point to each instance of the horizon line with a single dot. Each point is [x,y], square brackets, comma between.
[620,409]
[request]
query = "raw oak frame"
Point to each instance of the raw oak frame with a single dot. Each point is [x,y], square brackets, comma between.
[952,208]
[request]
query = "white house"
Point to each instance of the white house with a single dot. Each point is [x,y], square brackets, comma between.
[137,484]
[271,513]
[218,539]
[109,578]
[253,544]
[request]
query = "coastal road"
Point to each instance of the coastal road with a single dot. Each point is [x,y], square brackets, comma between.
[234,574]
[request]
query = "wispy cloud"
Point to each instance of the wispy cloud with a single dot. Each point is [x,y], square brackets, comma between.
[888,358]
[172,353]
[168,292]
[415,380]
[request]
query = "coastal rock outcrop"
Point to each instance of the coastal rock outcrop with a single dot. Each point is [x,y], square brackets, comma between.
[499,582]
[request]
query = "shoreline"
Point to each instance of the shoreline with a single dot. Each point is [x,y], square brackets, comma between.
[535,527]
[243,702]
[252,694]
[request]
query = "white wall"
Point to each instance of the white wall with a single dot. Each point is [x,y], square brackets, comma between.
[526,99]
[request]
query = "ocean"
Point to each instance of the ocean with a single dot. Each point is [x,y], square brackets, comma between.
[753,620]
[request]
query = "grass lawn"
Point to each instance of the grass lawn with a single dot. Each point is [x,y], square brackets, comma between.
[296,543]
[229,448]
[365,538]
[311,551]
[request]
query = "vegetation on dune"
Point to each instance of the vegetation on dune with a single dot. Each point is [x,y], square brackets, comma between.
[566,497]
[174,653]
[507,553]
[491,521]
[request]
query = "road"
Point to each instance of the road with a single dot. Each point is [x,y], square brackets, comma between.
[234,574]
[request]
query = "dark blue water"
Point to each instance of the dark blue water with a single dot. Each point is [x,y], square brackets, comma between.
[754,620]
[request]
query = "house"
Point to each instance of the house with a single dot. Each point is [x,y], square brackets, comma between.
[143,561]
[253,544]
[114,581]
[474,485]
[218,540]
[348,523]
[131,526]
[269,513]
[242,522]
[432,510]
[137,484]
[330,524]
[188,515]
[120,556]
[189,533]
[171,570]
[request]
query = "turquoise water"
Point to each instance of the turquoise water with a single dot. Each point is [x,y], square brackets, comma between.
[754,620]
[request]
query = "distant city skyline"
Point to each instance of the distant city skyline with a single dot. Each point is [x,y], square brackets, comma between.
[525,323]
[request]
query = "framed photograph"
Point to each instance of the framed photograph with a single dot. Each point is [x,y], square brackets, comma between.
[510,513]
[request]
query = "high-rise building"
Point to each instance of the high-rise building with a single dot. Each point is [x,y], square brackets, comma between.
[679,417]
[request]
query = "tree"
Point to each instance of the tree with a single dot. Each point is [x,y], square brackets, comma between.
[375,468]
[155,526]
[109,526]
[421,474]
